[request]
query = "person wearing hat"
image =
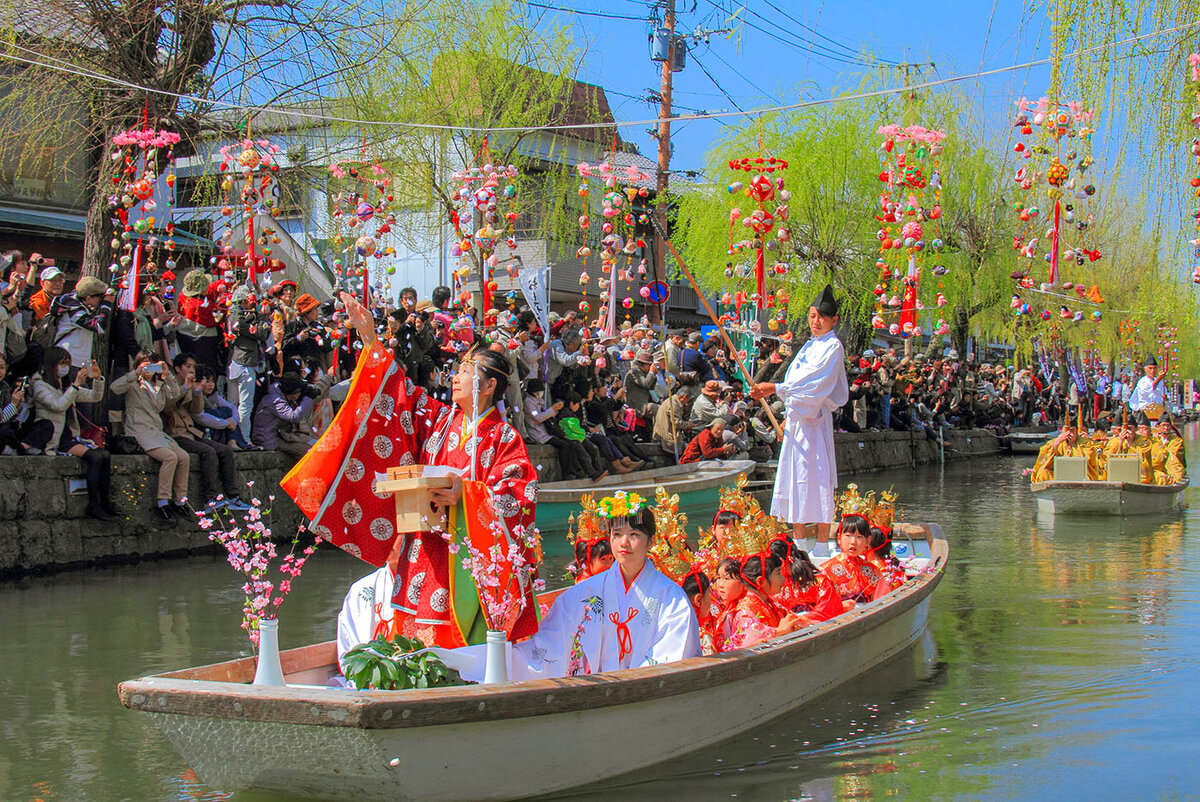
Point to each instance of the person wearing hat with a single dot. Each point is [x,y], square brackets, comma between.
[198,332]
[1166,453]
[280,422]
[566,364]
[712,403]
[1146,401]
[51,280]
[640,383]
[694,367]
[672,430]
[82,314]
[673,349]
[813,388]
[306,342]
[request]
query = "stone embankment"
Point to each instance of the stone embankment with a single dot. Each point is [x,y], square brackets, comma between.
[42,527]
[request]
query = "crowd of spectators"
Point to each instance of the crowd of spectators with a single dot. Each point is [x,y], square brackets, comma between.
[222,368]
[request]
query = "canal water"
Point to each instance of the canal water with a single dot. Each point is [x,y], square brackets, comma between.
[1061,663]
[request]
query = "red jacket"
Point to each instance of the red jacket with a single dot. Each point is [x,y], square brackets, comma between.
[200,310]
[705,445]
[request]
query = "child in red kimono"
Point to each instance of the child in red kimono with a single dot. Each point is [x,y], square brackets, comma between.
[850,572]
[592,557]
[879,554]
[805,590]
[749,616]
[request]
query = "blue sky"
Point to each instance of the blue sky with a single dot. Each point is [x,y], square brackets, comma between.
[783,51]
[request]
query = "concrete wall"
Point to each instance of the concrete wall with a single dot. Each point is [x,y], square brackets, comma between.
[42,528]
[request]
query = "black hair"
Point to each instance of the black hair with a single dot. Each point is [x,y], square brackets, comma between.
[880,543]
[398,315]
[800,567]
[534,386]
[54,354]
[588,550]
[726,518]
[857,524]
[757,566]
[525,318]
[409,291]
[494,365]
[441,294]
[642,520]
[572,398]
[181,359]
[696,583]
[729,565]
[205,372]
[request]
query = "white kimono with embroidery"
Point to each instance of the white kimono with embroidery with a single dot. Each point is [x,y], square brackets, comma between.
[362,611]
[599,626]
[814,386]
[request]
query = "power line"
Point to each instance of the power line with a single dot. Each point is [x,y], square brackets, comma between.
[586,12]
[716,83]
[304,115]
[797,44]
[817,33]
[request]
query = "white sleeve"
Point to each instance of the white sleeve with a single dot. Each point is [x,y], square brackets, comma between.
[357,619]
[678,636]
[822,385]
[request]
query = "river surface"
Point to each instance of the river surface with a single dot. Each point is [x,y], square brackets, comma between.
[1062,664]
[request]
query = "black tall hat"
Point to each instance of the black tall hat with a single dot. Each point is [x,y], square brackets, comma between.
[825,303]
[1150,360]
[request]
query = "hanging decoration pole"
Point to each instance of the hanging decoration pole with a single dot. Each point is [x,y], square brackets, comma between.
[721,329]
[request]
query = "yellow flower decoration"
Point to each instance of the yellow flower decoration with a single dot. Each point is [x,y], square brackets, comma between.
[620,505]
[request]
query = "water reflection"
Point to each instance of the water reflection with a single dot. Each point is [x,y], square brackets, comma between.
[1067,653]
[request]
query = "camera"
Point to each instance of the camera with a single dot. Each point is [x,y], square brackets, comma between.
[153,368]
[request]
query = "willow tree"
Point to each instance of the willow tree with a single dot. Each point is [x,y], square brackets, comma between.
[831,211]
[83,71]
[471,77]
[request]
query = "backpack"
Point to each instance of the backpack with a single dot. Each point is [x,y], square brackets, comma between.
[45,332]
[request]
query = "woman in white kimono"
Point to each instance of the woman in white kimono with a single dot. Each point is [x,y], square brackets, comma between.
[629,616]
[813,387]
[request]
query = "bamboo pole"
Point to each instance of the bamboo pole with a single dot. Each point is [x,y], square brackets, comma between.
[724,336]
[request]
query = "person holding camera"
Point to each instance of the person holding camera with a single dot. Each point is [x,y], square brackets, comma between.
[55,395]
[712,403]
[51,283]
[19,433]
[147,388]
[306,342]
[250,331]
[12,335]
[283,419]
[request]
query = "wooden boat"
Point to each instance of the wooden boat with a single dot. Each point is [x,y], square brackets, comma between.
[511,740]
[697,484]
[1107,498]
[1029,442]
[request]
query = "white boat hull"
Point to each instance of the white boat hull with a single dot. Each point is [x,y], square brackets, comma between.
[515,740]
[1107,498]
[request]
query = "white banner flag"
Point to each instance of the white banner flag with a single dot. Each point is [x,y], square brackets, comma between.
[535,285]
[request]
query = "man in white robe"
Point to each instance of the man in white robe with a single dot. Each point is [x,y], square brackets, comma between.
[812,389]
[629,616]
[1147,392]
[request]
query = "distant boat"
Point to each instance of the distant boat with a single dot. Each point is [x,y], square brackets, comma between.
[1107,498]
[697,484]
[1030,442]
[511,740]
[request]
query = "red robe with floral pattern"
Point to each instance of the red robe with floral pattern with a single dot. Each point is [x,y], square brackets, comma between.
[820,599]
[387,421]
[751,620]
[854,577]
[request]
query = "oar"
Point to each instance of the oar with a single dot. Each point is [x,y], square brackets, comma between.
[713,315]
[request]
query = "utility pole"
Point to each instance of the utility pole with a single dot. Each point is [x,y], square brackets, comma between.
[664,149]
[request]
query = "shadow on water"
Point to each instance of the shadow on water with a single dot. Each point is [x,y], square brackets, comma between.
[806,753]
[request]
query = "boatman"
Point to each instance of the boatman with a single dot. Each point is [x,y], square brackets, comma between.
[813,387]
[1147,396]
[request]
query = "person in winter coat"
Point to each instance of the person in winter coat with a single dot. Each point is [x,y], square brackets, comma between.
[286,408]
[250,332]
[199,332]
[147,389]
[55,394]
[82,314]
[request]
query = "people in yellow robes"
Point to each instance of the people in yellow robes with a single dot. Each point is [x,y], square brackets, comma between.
[1129,442]
[1167,458]
[1067,444]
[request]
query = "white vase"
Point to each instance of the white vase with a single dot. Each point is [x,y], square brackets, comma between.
[496,668]
[270,670]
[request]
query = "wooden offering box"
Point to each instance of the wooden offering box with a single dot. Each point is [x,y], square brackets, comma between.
[410,487]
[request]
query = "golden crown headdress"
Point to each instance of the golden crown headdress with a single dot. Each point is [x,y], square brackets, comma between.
[670,551]
[879,511]
[752,534]
[588,522]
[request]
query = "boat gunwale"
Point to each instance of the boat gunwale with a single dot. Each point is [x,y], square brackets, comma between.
[180,693]
[695,476]
[1138,487]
